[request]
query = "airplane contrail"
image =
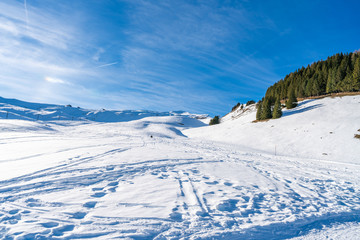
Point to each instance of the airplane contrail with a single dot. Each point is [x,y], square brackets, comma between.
[108,64]
[27,15]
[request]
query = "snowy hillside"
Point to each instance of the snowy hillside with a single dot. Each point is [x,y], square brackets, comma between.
[320,129]
[164,176]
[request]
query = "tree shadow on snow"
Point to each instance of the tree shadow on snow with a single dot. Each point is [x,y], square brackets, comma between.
[297,228]
[300,108]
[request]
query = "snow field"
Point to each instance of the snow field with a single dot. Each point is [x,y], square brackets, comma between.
[73,180]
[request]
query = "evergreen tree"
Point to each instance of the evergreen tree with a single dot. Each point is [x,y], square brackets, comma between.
[277,112]
[330,85]
[259,110]
[356,75]
[315,91]
[292,101]
[301,90]
[214,121]
[309,86]
[340,73]
[266,109]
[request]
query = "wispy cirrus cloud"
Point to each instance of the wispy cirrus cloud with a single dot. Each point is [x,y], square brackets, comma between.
[38,43]
[142,54]
[193,49]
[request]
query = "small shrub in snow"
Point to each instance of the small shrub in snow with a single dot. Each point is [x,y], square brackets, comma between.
[250,102]
[215,120]
[235,107]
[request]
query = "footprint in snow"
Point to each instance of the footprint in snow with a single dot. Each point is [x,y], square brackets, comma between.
[78,215]
[30,236]
[176,216]
[90,204]
[49,224]
[13,212]
[32,202]
[202,214]
[98,194]
[163,176]
[228,205]
[113,184]
[60,230]
[246,198]
[13,219]
[110,168]
[212,192]
[212,183]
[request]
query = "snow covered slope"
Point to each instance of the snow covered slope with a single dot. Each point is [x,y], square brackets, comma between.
[144,179]
[319,129]
[245,114]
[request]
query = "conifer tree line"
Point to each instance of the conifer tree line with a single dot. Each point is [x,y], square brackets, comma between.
[338,73]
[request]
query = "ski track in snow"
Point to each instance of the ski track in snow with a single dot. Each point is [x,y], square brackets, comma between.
[262,197]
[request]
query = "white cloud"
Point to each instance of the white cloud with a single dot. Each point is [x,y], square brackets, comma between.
[8,26]
[54,80]
[97,55]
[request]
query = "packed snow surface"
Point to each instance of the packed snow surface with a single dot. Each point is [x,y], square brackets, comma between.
[168,176]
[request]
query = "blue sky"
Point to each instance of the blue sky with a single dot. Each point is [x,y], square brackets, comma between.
[197,56]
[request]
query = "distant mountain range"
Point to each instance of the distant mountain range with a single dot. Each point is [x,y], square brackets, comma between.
[16,109]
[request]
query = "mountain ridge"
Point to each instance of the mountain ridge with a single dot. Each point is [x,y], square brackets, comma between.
[17,109]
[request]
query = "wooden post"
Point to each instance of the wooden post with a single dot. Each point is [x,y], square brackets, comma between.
[275,150]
